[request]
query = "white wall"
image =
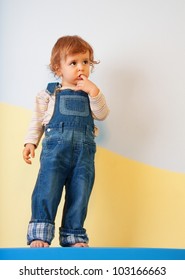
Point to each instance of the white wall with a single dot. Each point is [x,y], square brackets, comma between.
[141,47]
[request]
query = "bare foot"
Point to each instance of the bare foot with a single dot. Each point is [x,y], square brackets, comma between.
[39,244]
[80,245]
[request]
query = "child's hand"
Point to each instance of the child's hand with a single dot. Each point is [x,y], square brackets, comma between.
[87,86]
[28,153]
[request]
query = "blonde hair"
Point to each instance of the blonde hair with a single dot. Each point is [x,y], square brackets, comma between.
[69,45]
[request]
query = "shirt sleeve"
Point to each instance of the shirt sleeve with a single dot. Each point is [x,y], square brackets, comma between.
[99,107]
[36,128]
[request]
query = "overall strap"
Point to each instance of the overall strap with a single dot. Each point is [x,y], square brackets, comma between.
[52,88]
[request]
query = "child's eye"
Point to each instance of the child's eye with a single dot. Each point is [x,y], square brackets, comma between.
[73,63]
[85,62]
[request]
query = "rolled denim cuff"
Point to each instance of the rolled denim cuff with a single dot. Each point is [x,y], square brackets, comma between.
[70,237]
[40,231]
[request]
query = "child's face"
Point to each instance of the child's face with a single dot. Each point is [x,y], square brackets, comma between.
[74,66]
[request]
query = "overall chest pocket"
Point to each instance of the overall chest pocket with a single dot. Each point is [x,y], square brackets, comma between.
[74,105]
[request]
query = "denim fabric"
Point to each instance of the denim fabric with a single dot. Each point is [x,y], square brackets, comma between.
[74,105]
[72,237]
[67,159]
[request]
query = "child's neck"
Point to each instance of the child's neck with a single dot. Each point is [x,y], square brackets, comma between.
[69,87]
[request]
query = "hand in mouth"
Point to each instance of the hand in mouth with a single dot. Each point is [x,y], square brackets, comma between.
[80,77]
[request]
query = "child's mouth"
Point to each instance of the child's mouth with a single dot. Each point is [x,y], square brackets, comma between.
[79,77]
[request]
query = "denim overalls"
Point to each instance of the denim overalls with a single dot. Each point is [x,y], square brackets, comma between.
[67,159]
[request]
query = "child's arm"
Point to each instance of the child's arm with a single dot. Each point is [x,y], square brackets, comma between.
[98,103]
[35,130]
[99,107]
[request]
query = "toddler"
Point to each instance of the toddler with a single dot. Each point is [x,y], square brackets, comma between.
[65,113]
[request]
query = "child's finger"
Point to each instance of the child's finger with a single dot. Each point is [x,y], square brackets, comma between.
[27,159]
[33,153]
[83,77]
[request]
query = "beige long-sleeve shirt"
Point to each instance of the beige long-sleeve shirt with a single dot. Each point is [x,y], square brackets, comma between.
[44,107]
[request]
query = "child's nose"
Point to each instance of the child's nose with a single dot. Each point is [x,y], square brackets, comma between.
[80,66]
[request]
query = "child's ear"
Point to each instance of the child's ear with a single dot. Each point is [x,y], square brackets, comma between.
[59,72]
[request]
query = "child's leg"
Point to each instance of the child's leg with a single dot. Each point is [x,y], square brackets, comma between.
[78,190]
[46,197]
